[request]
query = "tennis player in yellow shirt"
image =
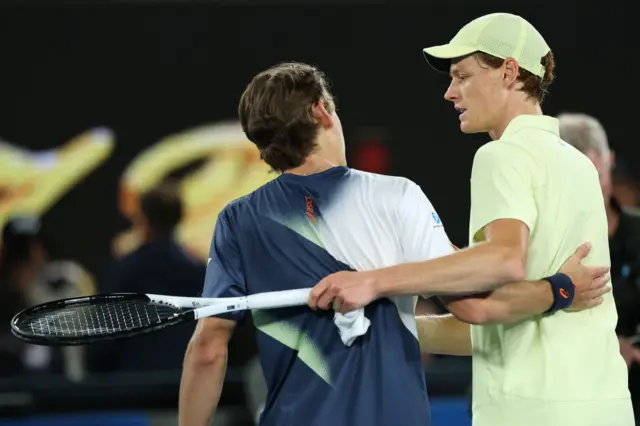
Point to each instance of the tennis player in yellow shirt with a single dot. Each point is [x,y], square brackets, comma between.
[534,199]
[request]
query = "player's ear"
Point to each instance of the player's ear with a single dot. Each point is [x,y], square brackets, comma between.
[510,71]
[321,114]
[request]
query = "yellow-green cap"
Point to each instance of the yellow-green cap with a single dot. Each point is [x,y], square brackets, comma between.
[499,34]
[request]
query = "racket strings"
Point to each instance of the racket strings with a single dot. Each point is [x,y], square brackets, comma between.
[96,320]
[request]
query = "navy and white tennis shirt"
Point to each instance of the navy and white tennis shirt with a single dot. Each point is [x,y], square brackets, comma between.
[291,233]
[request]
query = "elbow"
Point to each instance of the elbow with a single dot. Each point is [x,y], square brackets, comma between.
[206,352]
[513,264]
[477,316]
[487,313]
[472,311]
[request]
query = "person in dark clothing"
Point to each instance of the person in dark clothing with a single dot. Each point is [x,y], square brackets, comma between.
[626,183]
[161,266]
[22,259]
[588,135]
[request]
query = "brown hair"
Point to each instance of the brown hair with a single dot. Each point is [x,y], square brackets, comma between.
[275,112]
[162,208]
[533,86]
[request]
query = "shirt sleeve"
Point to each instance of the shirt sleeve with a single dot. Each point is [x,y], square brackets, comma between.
[502,187]
[225,274]
[422,233]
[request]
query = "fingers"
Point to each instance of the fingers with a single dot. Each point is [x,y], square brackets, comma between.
[591,298]
[324,296]
[346,308]
[317,293]
[594,293]
[336,304]
[596,283]
[599,271]
[326,300]
[601,281]
[593,302]
[582,251]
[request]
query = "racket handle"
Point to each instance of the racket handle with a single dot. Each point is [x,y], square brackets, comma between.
[279,299]
[267,300]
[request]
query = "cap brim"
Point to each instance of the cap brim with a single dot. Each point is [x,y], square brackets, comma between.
[439,57]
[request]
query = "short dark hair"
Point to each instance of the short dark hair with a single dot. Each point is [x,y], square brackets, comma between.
[534,86]
[275,112]
[19,235]
[161,206]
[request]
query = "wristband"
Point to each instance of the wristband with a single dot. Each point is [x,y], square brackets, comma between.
[563,292]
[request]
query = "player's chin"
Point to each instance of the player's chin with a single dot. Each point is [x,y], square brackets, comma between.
[468,128]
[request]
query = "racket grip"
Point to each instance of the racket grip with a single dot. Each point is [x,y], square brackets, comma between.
[279,299]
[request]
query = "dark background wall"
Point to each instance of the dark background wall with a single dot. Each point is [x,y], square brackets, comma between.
[146,70]
[149,71]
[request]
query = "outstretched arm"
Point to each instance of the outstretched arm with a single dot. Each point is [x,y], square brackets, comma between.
[509,303]
[450,334]
[517,301]
[484,267]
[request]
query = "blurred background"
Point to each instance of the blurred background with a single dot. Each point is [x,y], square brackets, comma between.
[119,144]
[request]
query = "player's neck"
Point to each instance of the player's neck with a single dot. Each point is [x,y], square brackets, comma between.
[315,163]
[527,107]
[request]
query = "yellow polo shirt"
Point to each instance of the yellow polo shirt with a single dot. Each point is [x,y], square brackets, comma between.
[564,369]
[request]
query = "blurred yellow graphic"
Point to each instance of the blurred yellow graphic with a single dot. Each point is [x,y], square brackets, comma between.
[230,168]
[31,182]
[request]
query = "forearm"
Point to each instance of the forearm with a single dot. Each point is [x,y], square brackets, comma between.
[509,303]
[518,301]
[201,385]
[443,335]
[481,268]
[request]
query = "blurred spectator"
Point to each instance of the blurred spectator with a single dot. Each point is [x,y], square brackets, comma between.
[23,256]
[626,184]
[158,266]
[587,134]
[28,278]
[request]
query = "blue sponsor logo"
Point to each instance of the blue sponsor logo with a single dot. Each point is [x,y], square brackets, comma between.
[436,218]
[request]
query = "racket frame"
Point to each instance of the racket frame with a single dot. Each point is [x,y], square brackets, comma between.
[191,308]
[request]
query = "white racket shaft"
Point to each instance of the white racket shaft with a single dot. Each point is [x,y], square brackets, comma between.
[209,306]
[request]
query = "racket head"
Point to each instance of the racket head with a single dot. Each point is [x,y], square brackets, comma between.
[91,319]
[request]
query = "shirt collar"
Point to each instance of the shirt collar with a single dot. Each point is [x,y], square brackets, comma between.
[532,122]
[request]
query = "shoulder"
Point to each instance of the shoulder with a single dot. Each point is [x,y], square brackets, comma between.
[502,152]
[234,210]
[384,184]
[503,158]
[238,212]
[404,195]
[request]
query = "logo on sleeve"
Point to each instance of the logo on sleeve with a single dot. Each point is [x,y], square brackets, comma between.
[436,220]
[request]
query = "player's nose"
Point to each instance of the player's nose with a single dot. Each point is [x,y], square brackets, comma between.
[451,94]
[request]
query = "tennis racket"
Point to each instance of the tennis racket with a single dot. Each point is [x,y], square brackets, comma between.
[83,320]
